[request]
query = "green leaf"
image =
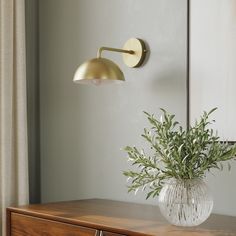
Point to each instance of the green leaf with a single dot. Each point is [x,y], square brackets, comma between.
[175,153]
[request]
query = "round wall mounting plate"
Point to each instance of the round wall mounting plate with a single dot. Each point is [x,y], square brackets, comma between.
[138,47]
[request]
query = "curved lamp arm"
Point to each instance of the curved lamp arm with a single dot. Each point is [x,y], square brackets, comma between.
[134,52]
[101,49]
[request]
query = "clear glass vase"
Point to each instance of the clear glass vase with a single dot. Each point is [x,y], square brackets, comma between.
[185,202]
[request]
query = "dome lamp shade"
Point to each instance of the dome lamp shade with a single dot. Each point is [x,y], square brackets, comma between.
[104,71]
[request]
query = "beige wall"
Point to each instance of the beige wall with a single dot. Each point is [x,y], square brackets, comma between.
[213,83]
[84,127]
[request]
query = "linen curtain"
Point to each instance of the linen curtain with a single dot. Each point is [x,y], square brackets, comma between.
[13,117]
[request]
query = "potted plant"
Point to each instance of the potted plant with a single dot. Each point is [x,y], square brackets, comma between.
[175,166]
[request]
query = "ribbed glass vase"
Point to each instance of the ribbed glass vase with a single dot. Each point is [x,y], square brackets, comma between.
[186,202]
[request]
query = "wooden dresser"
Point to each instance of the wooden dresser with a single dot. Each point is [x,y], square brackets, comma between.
[105,218]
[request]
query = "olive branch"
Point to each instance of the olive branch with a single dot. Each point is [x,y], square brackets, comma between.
[176,153]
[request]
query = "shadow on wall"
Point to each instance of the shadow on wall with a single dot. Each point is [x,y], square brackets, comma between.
[148,53]
[169,84]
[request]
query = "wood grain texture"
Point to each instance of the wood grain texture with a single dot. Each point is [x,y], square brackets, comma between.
[22,225]
[8,222]
[125,218]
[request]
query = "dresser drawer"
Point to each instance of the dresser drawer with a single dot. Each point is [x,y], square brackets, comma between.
[22,225]
[105,233]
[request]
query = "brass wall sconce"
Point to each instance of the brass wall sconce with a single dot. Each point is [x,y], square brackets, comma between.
[101,70]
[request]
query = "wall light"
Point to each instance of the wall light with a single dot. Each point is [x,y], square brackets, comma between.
[101,70]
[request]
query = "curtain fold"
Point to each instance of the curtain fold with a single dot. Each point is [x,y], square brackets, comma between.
[13,113]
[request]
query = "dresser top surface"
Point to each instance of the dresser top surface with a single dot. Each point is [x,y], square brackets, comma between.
[125,218]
